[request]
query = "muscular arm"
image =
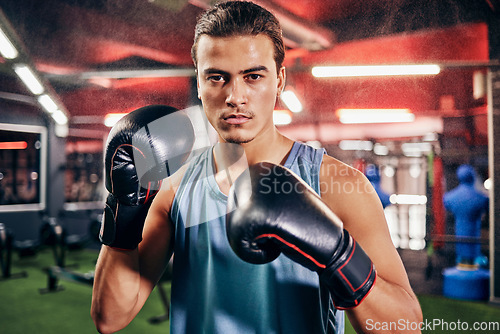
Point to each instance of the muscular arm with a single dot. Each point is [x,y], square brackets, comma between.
[350,195]
[124,279]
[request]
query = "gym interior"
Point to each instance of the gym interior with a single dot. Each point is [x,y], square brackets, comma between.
[406,91]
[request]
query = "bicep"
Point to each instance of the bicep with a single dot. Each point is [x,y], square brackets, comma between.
[363,217]
[369,228]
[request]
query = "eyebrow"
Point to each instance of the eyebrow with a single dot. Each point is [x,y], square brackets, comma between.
[250,70]
[255,69]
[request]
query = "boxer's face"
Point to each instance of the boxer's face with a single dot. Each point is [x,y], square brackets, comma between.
[238,85]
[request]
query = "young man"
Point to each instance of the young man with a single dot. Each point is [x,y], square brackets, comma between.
[238,53]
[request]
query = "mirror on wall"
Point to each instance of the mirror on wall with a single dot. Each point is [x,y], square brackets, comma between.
[22,167]
[83,173]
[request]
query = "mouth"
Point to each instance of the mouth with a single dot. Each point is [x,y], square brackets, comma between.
[236,119]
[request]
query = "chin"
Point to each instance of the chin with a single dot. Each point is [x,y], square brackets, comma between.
[236,137]
[237,140]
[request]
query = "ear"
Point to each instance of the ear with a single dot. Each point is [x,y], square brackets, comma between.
[281,80]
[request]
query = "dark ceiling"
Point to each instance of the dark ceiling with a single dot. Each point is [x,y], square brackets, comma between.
[103,56]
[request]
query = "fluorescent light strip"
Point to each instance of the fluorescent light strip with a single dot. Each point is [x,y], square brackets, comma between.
[7,49]
[291,101]
[28,77]
[361,116]
[416,149]
[375,70]
[356,145]
[60,117]
[380,149]
[53,109]
[48,103]
[408,199]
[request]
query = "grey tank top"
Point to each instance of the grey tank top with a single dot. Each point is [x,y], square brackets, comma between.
[213,291]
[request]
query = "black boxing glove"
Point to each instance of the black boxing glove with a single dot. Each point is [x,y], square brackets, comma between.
[271,210]
[143,148]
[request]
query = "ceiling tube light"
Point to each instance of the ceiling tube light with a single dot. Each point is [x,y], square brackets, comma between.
[282,117]
[7,49]
[380,149]
[48,103]
[60,117]
[291,101]
[28,77]
[361,116]
[375,70]
[408,199]
[416,149]
[356,145]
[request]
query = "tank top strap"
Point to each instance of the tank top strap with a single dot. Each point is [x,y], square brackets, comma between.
[305,161]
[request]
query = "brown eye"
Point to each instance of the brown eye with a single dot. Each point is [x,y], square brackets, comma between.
[216,78]
[254,76]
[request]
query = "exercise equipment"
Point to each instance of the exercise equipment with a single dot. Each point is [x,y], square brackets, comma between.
[443,239]
[81,229]
[467,205]
[466,280]
[459,283]
[45,238]
[26,248]
[55,273]
[6,247]
[53,234]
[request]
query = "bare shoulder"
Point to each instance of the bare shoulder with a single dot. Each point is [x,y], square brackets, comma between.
[334,168]
[350,195]
[342,182]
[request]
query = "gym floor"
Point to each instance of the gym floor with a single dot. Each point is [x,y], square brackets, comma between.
[23,309]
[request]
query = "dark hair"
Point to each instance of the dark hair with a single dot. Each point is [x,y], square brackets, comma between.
[235,18]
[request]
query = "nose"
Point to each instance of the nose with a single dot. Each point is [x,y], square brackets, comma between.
[236,94]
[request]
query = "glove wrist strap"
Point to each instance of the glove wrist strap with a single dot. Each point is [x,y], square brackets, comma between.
[122,225]
[350,278]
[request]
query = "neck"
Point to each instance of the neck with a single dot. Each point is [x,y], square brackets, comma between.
[271,146]
[233,159]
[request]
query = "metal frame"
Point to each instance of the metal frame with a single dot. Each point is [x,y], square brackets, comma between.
[493,159]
